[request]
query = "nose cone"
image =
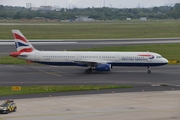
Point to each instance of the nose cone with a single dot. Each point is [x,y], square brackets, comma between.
[165,61]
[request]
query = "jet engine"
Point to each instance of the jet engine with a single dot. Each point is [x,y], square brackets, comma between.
[103,67]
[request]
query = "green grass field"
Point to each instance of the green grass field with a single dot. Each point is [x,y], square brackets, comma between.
[97,30]
[7,90]
[11,60]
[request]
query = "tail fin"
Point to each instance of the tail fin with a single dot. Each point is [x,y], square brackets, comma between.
[22,44]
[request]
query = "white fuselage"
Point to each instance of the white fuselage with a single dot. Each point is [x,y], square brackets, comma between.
[113,58]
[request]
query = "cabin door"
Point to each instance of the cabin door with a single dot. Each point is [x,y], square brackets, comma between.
[78,57]
[37,56]
[117,58]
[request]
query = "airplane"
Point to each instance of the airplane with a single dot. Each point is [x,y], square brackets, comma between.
[98,61]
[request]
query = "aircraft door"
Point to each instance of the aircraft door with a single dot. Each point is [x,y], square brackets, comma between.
[37,56]
[117,58]
[78,57]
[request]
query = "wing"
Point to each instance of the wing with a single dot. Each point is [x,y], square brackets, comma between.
[90,62]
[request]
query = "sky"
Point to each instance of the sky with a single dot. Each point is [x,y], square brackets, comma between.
[91,3]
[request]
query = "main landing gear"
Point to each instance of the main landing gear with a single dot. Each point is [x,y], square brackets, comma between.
[148,71]
[89,70]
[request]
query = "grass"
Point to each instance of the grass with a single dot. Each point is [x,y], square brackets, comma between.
[169,51]
[97,30]
[11,60]
[7,90]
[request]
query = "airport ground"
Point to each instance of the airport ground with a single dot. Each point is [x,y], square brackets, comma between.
[161,79]
[154,96]
[159,105]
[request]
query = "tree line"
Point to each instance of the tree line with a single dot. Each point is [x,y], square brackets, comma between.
[104,13]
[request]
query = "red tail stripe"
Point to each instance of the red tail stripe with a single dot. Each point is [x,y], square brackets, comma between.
[26,50]
[16,54]
[16,36]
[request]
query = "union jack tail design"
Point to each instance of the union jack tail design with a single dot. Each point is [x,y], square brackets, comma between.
[22,44]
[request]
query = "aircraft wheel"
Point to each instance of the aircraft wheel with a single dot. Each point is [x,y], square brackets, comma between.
[149,71]
[87,71]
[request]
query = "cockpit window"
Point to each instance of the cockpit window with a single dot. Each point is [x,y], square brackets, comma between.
[158,56]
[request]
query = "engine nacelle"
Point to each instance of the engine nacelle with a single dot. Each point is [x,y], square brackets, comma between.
[103,67]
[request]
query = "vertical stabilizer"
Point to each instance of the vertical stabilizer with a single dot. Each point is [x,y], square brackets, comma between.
[21,43]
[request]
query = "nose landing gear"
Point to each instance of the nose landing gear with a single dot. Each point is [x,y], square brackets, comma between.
[87,71]
[148,71]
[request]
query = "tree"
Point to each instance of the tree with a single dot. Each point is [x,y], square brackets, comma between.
[155,9]
[29,16]
[104,13]
[175,11]
[177,6]
[17,16]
